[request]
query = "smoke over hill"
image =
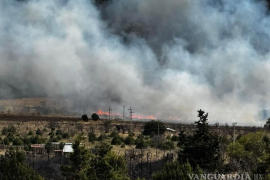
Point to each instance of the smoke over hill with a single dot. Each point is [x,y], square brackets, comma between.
[163,58]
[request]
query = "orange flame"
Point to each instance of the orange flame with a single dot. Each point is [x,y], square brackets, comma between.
[103,113]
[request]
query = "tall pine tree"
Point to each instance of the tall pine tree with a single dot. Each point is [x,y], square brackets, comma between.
[203,147]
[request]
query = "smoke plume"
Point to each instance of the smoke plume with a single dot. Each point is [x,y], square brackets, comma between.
[162,58]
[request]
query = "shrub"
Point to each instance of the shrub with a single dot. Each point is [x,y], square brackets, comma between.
[131,134]
[6,141]
[122,146]
[26,141]
[92,137]
[11,129]
[30,133]
[4,131]
[17,142]
[116,141]
[39,132]
[139,139]
[58,137]
[10,137]
[53,139]
[37,140]
[102,137]
[66,135]
[114,134]
[51,133]
[129,140]
[166,146]
[142,145]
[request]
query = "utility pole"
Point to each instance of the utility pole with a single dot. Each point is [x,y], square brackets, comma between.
[158,128]
[109,113]
[234,133]
[124,112]
[130,112]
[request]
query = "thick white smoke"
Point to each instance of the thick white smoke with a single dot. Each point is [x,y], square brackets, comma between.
[162,58]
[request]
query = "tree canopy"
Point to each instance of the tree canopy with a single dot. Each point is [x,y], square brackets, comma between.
[95,116]
[156,127]
[250,151]
[202,148]
[103,164]
[267,124]
[14,167]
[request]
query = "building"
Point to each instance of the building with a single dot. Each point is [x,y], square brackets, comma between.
[38,148]
[68,148]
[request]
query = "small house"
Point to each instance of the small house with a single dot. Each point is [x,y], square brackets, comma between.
[68,148]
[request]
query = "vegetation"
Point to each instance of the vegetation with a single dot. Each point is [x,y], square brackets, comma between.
[39,132]
[92,137]
[251,152]
[85,117]
[199,151]
[117,140]
[156,127]
[202,148]
[104,164]
[173,170]
[129,140]
[267,124]
[166,146]
[13,166]
[95,116]
[7,130]
[102,137]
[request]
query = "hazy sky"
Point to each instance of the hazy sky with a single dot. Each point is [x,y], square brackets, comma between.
[166,58]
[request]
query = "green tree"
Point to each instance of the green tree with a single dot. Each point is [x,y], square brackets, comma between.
[17,142]
[49,148]
[104,164]
[79,163]
[14,167]
[85,117]
[202,148]
[250,152]
[117,140]
[92,137]
[129,140]
[267,124]
[103,149]
[95,116]
[156,127]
